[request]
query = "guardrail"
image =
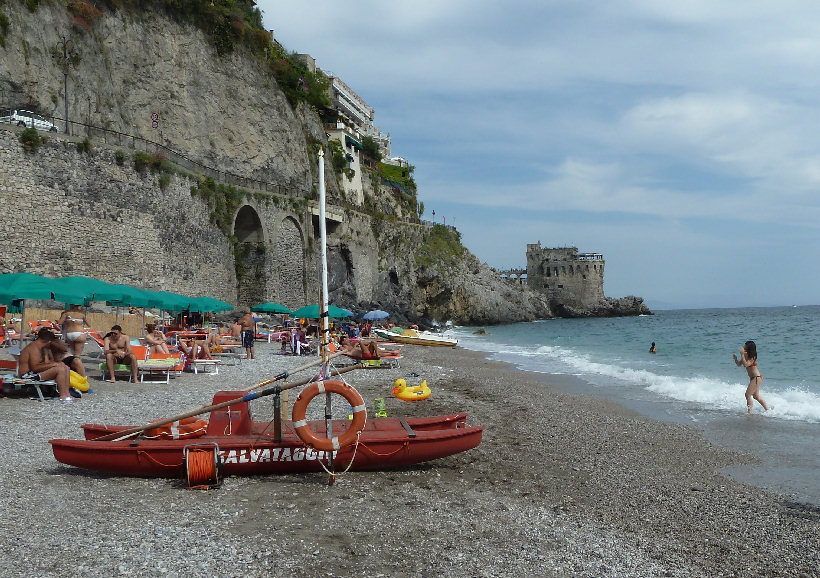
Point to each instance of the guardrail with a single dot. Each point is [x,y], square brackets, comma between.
[80,130]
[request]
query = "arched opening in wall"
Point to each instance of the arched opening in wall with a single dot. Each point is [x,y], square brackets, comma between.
[291,288]
[247,227]
[250,257]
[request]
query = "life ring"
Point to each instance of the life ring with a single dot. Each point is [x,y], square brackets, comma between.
[337,442]
[189,427]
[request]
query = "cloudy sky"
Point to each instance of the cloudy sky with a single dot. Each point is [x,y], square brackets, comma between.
[679,139]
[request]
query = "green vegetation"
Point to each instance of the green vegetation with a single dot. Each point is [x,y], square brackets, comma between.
[83,14]
[84,146]
[401,175]
[338,160]
[31,139]
[371,148]
[32,5]
[120,157]
[222,200]
[442,246]
[155,162]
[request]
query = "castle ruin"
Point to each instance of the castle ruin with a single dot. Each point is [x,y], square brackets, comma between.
[565,275]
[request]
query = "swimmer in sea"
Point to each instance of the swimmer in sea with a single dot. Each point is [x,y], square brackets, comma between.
[748,359]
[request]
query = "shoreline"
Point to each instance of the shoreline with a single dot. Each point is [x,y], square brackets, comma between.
[561,485]
[779,466]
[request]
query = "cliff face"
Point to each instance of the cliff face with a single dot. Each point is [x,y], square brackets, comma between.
[227,113]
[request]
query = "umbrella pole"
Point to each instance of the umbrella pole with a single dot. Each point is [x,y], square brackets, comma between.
[22,321]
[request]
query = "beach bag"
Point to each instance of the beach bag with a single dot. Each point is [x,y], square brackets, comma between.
[79,382]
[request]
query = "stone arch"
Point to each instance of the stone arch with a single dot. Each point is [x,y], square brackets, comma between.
[250,257]
[247,226]
[290,242]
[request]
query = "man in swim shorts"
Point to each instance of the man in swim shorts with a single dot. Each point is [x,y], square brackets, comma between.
[117,349]
[248,325]
[36,364]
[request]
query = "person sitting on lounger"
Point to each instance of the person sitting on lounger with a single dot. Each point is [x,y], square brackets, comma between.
[59,352]
[362,349]
[155,339]
[37,363]
[298,341]
[117,349]
[195,349]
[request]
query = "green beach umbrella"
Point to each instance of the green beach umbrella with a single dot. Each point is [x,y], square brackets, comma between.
[173,301]
[67,289]
[22,286]
[209,305]
[136,297]
[270,307]
[312,312]
[25,286]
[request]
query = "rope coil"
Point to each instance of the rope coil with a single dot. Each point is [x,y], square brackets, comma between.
[202,465]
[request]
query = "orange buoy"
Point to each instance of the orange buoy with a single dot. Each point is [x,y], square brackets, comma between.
[189,427]
[337,442]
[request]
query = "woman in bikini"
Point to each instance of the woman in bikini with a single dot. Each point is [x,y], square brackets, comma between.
[72,324]
[748,359]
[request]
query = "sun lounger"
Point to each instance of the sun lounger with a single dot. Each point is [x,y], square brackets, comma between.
[12,383]
[154,367]
[209,366]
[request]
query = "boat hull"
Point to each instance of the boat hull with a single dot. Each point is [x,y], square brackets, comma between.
[430,341]
[384,443]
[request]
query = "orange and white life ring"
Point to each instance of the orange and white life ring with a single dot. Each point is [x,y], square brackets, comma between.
[337,442]
[189,427]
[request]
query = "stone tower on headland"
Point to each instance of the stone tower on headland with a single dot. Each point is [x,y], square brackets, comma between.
[565,275]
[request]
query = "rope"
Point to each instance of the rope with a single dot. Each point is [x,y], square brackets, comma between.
[156,461]
[355,448]
[404,445]
[201,469]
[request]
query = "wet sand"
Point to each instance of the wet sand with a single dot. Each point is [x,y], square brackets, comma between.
[561,485]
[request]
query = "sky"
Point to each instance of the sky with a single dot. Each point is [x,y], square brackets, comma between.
[679,139]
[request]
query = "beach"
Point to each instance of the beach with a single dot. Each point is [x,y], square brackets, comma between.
[561,485]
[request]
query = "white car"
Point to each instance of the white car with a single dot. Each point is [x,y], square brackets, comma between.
[28,118]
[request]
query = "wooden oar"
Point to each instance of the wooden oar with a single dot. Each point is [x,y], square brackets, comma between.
[120,435]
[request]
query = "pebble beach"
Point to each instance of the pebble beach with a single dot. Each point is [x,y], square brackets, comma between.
[562,485]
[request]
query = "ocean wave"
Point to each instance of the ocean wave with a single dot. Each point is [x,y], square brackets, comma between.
[711,393]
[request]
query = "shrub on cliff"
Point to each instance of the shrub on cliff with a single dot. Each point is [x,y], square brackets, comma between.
[442,247]
[31,139]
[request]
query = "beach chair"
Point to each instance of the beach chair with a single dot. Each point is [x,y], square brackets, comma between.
[209,366]
[139,351]
[176,357]
[12,383]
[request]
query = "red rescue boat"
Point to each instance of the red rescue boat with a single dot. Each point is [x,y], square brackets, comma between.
[246,447]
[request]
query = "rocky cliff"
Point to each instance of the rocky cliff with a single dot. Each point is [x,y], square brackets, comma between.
[141,73]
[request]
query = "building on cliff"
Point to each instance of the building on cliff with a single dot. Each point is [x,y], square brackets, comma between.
[565,275]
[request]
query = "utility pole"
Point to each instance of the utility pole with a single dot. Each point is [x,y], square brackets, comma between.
[66,56]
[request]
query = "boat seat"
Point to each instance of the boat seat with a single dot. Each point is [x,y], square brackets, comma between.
[231,420]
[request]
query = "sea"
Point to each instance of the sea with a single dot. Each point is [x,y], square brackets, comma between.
[692,379]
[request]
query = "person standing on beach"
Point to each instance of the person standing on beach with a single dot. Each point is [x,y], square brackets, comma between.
[748,359]
[246,322]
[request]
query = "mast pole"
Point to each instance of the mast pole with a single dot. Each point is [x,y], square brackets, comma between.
[325,329]
[323,319]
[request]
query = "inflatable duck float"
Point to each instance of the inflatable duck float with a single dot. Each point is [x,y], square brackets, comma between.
[414,393]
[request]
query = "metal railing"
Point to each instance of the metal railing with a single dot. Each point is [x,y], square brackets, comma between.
[80,130]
